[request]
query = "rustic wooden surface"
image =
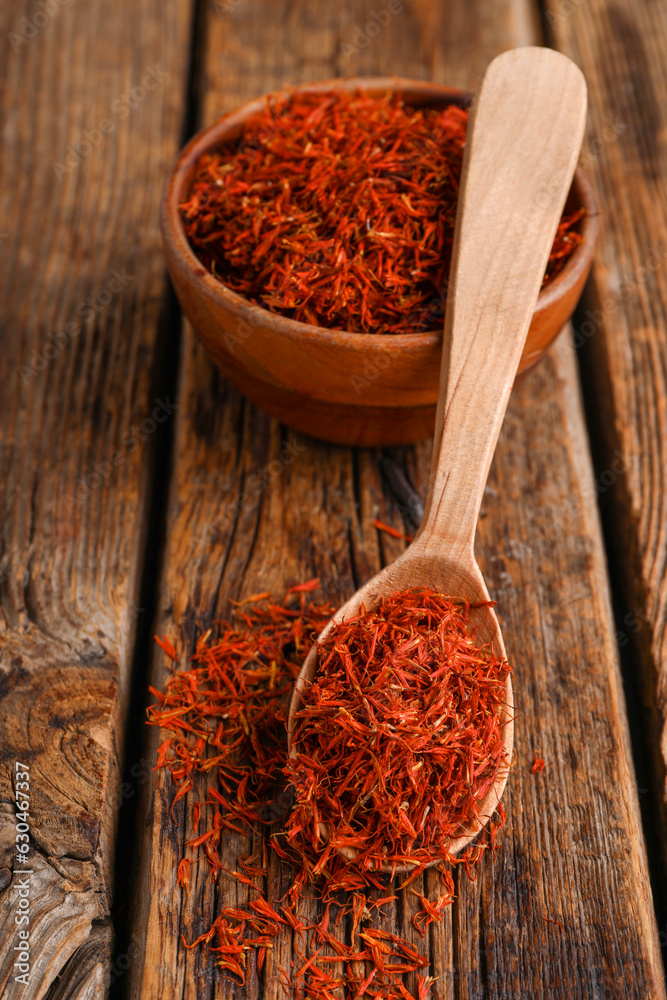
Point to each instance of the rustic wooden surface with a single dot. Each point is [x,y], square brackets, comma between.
[70,572]
[75,485]
[624,324]
[573,848]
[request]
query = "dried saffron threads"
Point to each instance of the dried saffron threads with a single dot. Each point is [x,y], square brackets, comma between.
[225,719]
[337,209]
[401,735]
[538,765]
[392,532]
[226,715]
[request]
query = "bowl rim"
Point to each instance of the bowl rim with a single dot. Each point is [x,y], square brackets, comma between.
[175,237]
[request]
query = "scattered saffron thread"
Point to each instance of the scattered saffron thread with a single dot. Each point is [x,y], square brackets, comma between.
[387,528]
[538,765]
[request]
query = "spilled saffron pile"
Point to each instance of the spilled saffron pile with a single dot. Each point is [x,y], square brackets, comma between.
[337,209]
[226,749]
[402,734]
[227,714]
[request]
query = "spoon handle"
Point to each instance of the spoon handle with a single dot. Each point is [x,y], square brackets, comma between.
[524,137]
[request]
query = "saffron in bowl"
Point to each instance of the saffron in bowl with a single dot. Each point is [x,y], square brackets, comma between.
[337,209]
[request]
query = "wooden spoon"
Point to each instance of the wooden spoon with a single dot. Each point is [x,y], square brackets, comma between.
[524,136]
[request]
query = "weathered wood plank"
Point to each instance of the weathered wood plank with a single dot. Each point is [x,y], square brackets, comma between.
[86,975]
[92,102]
[623,331]
[573,847]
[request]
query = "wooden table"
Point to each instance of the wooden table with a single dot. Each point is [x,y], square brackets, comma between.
[124,452]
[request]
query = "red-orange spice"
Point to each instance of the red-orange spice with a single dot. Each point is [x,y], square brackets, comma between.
[236,688]
[393,532]
[225,718]
[538,765]
[337,209]
[401,735]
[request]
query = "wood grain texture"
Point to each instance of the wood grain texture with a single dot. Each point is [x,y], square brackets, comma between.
[92,106]
[86,975]
[573,848]
[622,50]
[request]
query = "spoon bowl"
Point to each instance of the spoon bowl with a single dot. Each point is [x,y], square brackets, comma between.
[417,567]
[524,137]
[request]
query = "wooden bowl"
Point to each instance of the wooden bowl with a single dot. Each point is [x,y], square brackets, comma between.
[352,388]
